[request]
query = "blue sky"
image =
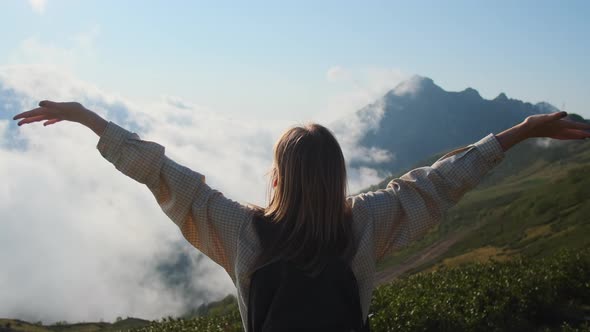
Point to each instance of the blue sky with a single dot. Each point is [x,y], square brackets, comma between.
[273,59]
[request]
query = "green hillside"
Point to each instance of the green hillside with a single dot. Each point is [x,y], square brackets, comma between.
[536,201]
[549,294]
[13,325]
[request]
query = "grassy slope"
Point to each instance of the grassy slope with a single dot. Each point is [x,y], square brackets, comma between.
[19,325]
[122,325]
[547,294]
[537,200]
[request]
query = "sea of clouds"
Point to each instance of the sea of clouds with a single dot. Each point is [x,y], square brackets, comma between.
[82,242]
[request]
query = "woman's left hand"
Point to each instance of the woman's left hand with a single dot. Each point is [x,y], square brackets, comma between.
[52,112]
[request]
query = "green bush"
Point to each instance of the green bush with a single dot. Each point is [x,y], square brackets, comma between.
[551,294]
[230,322]
[519,295]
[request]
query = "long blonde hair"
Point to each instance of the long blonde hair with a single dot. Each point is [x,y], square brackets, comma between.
[308,197]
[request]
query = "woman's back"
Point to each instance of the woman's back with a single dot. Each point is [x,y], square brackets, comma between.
[284,297]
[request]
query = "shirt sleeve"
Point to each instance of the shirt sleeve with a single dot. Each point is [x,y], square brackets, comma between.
[415,202]
[207,219]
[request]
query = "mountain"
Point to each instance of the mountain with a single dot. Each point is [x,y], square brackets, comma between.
[418,118]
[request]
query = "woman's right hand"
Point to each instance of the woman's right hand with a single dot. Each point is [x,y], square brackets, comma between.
[555,126]
[550,125]
[52,112]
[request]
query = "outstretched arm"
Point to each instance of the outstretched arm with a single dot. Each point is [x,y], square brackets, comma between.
[415,202]
[206,218]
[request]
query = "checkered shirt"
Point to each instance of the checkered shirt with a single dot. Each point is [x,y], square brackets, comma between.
[383,220]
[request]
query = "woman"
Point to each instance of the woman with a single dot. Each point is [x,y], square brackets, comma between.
[308,198]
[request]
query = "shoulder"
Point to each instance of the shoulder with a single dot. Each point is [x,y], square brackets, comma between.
[362,217]
[359,206]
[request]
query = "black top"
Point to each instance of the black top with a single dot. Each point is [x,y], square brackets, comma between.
[283,297]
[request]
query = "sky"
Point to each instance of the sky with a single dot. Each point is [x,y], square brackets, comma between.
[81,242]
[270,60]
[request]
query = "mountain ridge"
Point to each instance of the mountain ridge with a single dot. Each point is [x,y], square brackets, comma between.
[418,118]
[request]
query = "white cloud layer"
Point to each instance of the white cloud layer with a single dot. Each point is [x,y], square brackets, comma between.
[349,131]
[80,241]
[409,87]
[358,87]
[38,5]
[336,73]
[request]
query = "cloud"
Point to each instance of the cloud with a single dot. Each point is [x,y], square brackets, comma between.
[336,73]
[361,177]
[366,87]
[38,6]
[77,48]
[349,131]
[75,229]
[548,142]
[410,86]
[357,87]
[86,39]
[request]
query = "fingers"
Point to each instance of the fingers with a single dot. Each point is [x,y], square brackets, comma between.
[561,115]
[34,112]
[36,115]
[572,134]
[48,104]
[35,119]
[48,110]
[574,125]
[552,117]
[50,122]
